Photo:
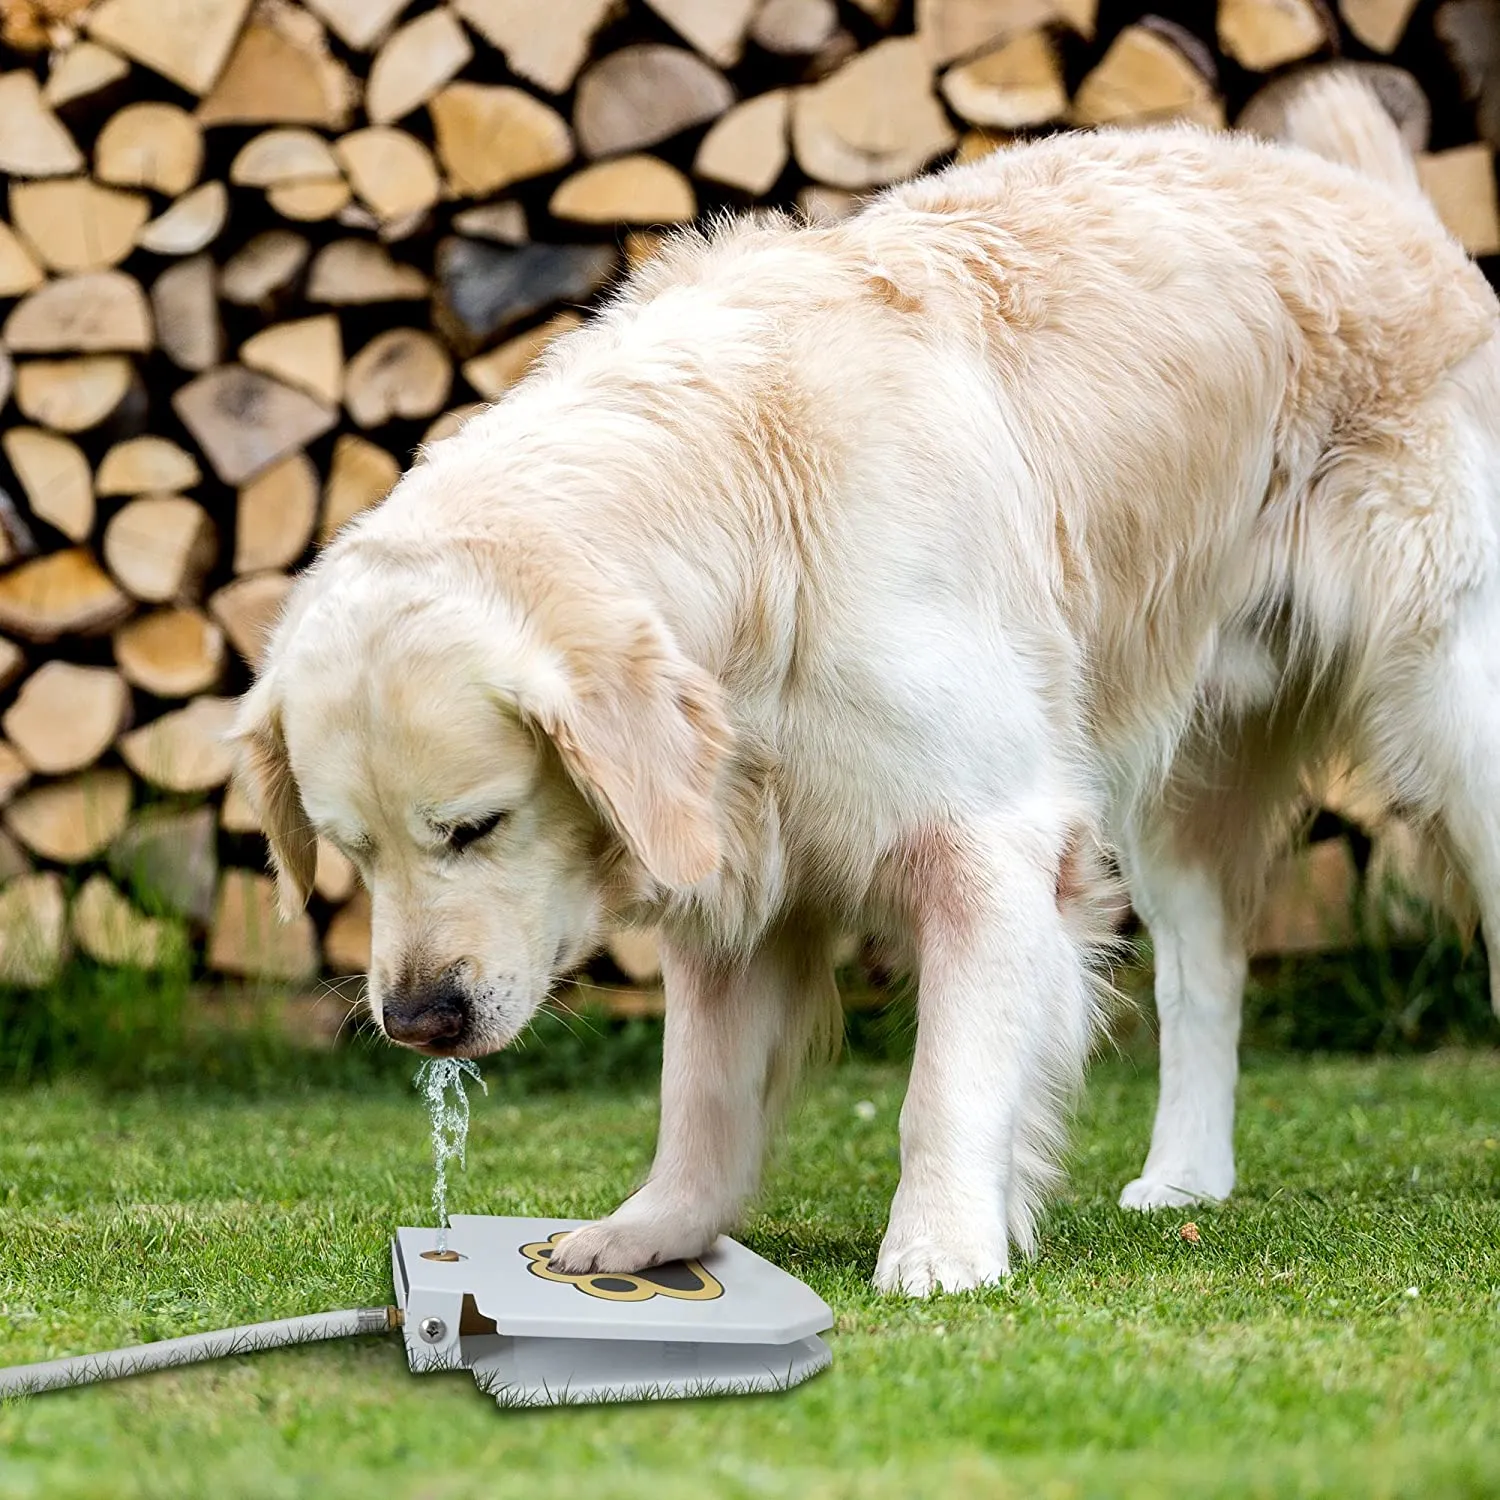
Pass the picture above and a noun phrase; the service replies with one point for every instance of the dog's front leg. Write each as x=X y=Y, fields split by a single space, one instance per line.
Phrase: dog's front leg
x=1004 y=1018
x=735 y=1034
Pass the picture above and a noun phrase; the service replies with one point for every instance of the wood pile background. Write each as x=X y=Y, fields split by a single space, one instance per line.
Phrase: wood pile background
x=254 y=251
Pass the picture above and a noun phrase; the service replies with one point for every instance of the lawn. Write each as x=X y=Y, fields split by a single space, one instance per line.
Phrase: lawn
x=1335 y=1331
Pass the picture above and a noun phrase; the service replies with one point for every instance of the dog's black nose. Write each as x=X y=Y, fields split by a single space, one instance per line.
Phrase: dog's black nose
x=431 y=1015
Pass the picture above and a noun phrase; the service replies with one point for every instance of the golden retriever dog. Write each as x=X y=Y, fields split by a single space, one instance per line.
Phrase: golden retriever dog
x=880 y=577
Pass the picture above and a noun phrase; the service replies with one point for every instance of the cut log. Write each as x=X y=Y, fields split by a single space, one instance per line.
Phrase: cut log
x=171 y=653
x=484 y=290
x=414 y=63
x=192 y=222
x=190 y=48
x=186 y=750
x=873 y=121
x=73 y=395
x=160 y=547
x=716 y=28
x=170 y=860
x=636 y=952
x=112 y=932
x=747 y=148
x=1264 y=34
x=7 y=375
x=1015 y=86
x=248 y=609
x=310 y=202
x=16 y=537
x=1470 y=33
x=76 y=225
x=1147 y=76
x=643 y=94
x=346 y=944
x=19 y=272
x=628 y=189
x=289 y=153
x=953 y=30
x=449 y=422
x=349 y=273
x=146 y=465
x=265 y=270
x=152 y=145
x=358 y=23
x=1379 y=24
x=545 y=45
x=33 y=930
x=55 y=476
x=236 y=815
x=65 y=593
x=403 y=372
x=65 y=717
x=282 y=73
x=12 y=662
x=33 y=141
x=14 y=772
x=307 y=354
x=89 y=313
x=336 y=877
x=831 y=56
x=642 y=246
x=71 y=821
x=245 y=421
x=1461 y=184
x=795 y=28
x=275 y=515
x=494 y=373
x=489 y=137
x=187 y=314
x=504 y=222
x=84 y=69
x=248 y=937
x=392 y=173
x=359 y=476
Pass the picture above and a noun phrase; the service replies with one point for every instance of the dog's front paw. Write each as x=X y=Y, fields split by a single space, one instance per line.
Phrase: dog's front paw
x=922 y=1267
x=624 y=1245
x=1170 y=1190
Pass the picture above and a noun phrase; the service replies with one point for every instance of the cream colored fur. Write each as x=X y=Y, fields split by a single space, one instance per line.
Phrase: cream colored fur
x=881 y=575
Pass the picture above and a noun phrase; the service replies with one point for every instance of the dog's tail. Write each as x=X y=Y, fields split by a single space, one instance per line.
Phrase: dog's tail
x=1345 y=115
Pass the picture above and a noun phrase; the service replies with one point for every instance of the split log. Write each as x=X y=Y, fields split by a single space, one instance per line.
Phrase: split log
x=185 y=750
x=545 y=45
x=12 y=662
x=1264 y=34
x=403 y=372
x=795 y=28
x=171 y=653
x=170 y=859
x=186 y=314
x=503 y=222
x=747 y=147
x=35 y=25
x=391 y=172
x=7 y=375
x=415 y=62
x=282 y=73
x=112 y=932
x=1470 y=33
x=249 y=938
x=1461 y=184
x=831 y=56
x=335 y=877
x=1150 y=73
x=76 y=225
x=265 y=270
x=952 y=30
x=494 y=373
x=64 y=593
x=1379 y=24
x=190 y=48
x=146 y=465
x=873 y=121
x=310 y=202
x=151 y=145
x=160 y=547
x=346 y=944
x=245 y=421
x=289 y=153
x=33 y=141
x=247 y=610
x=71 y=821
x=83 y=69
x=275 y=514
x=55 y=476
x=73 y=395
x=644 y=94
x=1017 y=85
x=307 y=354
x=358 y=23
x=449 y=422
x=65 y=717
x=33 y=930
x=236 y=815
x=14 y=772
x=19 y=272
x=360 y=476
x=490 y=136
x=716 y=28
x=16 y=538
x=353 y=272
x=192 y=222
x=89 y=313
x=627 y=189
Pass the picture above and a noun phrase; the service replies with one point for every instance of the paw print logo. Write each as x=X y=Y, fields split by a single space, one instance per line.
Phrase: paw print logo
x=685 y=1280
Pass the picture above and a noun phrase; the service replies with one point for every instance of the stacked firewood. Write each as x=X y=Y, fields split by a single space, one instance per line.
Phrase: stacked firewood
x=254 y=251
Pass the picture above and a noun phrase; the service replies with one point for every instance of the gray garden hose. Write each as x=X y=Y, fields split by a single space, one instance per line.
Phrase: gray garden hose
x=83 y=1369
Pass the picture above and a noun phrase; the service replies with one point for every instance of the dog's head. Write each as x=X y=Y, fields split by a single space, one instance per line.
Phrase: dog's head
x=503 y=743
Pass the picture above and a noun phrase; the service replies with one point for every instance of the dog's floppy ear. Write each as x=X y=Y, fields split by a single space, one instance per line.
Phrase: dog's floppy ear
x=265 y=772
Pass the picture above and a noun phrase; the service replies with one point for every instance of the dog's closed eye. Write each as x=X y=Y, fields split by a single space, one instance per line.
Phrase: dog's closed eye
x=460 y=836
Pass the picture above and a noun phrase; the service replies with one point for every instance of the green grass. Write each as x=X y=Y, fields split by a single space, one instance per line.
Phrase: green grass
x=1335 y=1331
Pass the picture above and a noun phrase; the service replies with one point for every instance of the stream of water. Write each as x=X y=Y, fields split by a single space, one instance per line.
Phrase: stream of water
x=435 y=1080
